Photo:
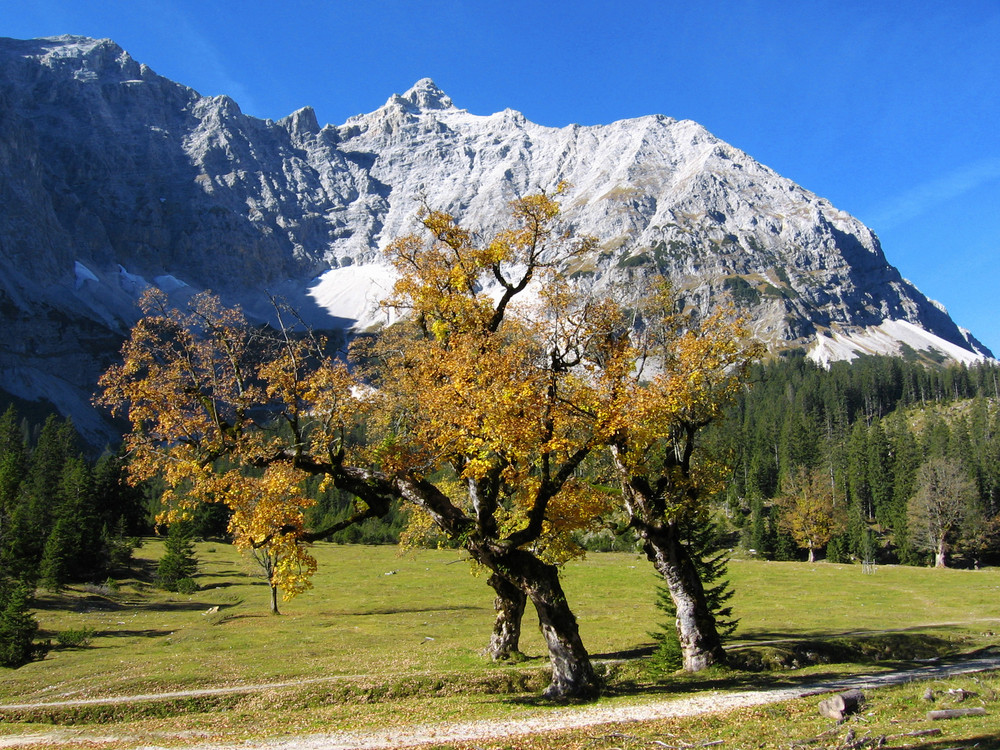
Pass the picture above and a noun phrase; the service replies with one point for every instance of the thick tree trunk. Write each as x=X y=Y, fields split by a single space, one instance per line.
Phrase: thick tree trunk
x=941 y=555
x=701 y=645
x=700 y=642
x=274 y=600
x=812 y=554
x=509 y=606
x=572 y=673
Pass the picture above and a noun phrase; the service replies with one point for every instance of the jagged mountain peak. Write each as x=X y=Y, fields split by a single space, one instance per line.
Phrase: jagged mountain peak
x=425 y=94
x=95 y=55
x=114 y=178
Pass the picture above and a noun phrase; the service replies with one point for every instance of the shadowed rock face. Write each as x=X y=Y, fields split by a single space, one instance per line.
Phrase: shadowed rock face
x=112 y=177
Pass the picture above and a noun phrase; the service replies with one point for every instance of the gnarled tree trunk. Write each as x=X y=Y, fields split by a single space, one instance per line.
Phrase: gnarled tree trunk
x=509 y=606
x=700 y=642
x=701 y=645
x=572 y=673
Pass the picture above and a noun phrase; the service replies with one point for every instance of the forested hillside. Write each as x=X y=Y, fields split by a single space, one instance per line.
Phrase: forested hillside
x=880 y=460
x=63 y=518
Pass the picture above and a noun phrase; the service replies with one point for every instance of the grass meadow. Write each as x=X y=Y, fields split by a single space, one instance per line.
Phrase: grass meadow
x=390 y=639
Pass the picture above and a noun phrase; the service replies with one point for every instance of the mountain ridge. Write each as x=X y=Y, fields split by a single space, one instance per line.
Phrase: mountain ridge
x=115 y=177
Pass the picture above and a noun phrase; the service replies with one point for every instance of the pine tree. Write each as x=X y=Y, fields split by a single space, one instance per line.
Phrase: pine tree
x=17 y=626
x=178 y=562
x=56 y=564
x=39 y=499
x=73 y=548
x=115 y=499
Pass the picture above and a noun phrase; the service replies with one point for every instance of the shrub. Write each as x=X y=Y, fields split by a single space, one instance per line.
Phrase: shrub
x=78 y=638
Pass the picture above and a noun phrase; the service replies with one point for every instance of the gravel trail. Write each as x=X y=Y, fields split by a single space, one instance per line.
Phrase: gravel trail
x=535 y=722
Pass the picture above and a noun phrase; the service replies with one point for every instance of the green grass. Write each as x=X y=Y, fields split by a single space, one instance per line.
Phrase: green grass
x=389 y=639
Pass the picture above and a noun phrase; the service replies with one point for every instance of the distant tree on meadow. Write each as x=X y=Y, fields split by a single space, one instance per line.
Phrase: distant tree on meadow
x=945 y=502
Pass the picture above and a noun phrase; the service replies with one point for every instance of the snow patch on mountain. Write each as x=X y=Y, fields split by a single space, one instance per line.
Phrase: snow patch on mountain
x=354 y=292
x=888 y=338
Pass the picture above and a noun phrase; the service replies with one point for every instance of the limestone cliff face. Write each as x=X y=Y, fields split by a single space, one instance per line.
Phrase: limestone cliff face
x=112 y=178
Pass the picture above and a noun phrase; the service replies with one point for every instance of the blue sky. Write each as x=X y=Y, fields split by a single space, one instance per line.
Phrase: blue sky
x=889 y=109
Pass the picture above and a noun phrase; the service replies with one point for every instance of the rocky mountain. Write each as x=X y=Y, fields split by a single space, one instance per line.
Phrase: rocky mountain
x=113 y=178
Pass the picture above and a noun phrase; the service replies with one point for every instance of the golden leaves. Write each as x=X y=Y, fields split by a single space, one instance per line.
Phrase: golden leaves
x=498 y=402
x=194 y=384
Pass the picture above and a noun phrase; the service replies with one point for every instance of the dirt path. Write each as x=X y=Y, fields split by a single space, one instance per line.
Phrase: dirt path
x=535 y=722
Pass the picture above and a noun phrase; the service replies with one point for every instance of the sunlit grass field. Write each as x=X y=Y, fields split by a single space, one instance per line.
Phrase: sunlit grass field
x=393 y=638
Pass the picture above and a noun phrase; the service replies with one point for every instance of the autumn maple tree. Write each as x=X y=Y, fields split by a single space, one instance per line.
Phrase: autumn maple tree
x=227 y=412
x=478 y=384
x=464 y=389
x=481 y=408
x=660 y=377
x=942 y=507
x=807 y=510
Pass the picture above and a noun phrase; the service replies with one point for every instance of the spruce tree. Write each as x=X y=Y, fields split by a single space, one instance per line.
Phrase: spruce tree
x=17 y=626
x=178 y=562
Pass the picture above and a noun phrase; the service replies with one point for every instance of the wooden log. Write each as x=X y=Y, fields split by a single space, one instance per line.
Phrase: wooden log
x=955 y=713
x=843 y=704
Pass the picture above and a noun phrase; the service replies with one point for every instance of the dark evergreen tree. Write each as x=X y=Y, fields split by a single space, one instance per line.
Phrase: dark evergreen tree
x=761 y=532
x=178 y=562
x=35 y=515
x=17 y=626
x=115 y=499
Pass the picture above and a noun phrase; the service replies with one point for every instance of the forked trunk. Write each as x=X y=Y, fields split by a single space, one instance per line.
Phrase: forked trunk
x=700 y=643
x=572 y=673
x=509 y=606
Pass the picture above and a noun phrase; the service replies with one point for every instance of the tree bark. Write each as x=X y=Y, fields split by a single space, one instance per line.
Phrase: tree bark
x=700 y=642
x=572 y=673
x=941 y=554
x=509 y=605
x=274 y=600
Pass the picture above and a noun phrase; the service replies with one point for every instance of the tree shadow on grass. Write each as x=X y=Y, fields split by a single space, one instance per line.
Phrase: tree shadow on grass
x=627 y=654
x=229 y=584
x=192 y=606
x=765 y=636
x=147 y=633
x=407 y=610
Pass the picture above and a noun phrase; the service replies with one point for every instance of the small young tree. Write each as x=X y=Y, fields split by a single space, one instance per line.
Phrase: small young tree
x=57 y=563
x=178 y=562
x=944 y=502
x=118 y=546
x=17 y=626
